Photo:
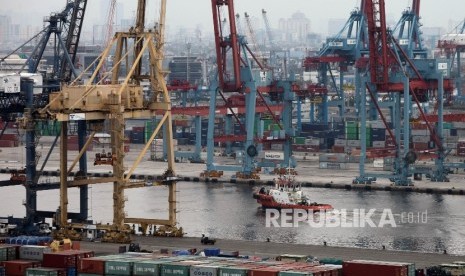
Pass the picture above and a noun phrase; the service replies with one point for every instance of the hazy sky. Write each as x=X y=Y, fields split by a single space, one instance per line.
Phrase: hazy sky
x=190 y=13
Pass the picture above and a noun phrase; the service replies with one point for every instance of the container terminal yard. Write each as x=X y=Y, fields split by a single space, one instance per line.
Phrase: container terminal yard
x=345 y=159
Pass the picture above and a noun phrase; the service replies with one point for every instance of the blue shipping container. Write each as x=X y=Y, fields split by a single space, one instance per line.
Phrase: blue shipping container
x=211 y=251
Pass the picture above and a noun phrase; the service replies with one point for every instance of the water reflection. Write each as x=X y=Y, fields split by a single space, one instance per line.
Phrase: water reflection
x=229 y=211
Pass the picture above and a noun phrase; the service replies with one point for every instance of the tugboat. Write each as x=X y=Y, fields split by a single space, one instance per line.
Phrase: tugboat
x=287 y=194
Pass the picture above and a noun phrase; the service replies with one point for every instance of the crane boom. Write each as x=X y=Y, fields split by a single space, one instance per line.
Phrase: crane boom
x=253 y=39
x=225 y=44
x=376 y=18
x=110 y=19
x=73 y=25
x=268 y=29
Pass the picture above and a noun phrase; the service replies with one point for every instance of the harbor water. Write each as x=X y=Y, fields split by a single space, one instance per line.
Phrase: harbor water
x=421 y=222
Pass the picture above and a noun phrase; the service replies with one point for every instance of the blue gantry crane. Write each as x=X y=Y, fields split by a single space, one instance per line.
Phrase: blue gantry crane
x=339 y=51
x=389 y=70
x=243 y=77
x=64 y=30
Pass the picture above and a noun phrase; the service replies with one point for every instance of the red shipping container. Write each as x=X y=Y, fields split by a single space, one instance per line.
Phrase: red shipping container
x=18 y=267
x=8 y=144
x=92 y=266
x=461 y=145
x=266 y=271
x=418 y=126
x=11 y=125
x=9 y=137
x=369 y=269
x=338 y=149
x=181 y=123
x=61 y=259
x=420 y=146
x=138 y=129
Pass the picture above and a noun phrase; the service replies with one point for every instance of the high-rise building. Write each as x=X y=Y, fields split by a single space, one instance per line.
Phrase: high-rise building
x=335 y=25
x=296 y=28
x=5 y=24
x=185 y=69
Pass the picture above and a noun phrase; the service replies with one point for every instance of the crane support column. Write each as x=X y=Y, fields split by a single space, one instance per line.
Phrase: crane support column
x=406 y=125
x=363 y=127
x=210 y=131
x=440 y=175
x=459 y=76
x=117 y=131
x=396 y=124
x=64 y=175
x=84 y=190
x=250 y=102
x=287 y=124
x=31 y=194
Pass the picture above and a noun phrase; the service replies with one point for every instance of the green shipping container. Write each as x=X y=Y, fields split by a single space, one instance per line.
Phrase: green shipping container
x=231 y=271
x=447 y=125
x=11 y=253
x=351 y=136
x=332 y=261
x=266 y=124
x=148 y=130
x=174 y=270
x=149 y=267
x=40 y=271
x=352 y=124
x=299 y=140
x=274 y=127
x=119 y=267
x=3 y=254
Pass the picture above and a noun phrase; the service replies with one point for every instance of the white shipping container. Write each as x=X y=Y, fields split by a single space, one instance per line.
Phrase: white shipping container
x=378 y=163
x=333 y=166
x=459 y=125
x=445 y=133
x=421 y=139
x=276 y=146
x=419 y=132
x=376 y=124
x=353 y=143
x=340 y=142
x=451 y=139
x=379 y=144
x=204 y=270
x=312 y=142
x=33 y=252
x=451 y=145
x=461 y=132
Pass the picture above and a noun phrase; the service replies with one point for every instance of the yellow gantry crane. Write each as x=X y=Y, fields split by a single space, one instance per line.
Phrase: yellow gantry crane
x=140 y=50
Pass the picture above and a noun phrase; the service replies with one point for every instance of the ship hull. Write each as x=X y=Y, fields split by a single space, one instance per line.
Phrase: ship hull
x=268 y=202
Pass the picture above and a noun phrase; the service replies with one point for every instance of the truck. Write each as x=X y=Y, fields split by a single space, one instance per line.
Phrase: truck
x=10 y=226
x=6 y=228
